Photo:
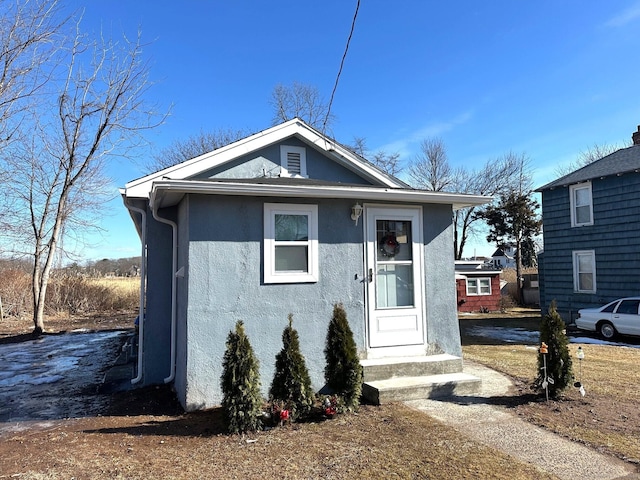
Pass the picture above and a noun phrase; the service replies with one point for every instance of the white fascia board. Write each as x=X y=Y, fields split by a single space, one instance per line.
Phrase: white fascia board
x=141 y=187
x=167 y=193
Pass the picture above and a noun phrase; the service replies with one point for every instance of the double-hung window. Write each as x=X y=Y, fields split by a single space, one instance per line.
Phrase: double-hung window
x=581 y=205
x=290 y=243
x=478 y=286
x=584 y=271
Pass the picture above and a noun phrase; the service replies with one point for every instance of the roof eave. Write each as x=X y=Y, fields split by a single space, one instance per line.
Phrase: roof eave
x=166 y=193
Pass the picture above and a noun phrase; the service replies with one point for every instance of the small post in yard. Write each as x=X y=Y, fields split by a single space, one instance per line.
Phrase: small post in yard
x=545 y=383
x=580 y=356
x=1 y=311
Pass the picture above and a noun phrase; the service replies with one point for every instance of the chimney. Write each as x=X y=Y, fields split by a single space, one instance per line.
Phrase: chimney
x=636 y=137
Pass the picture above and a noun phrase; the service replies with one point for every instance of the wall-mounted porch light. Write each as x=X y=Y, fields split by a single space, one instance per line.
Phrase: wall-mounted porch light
x=356 y=211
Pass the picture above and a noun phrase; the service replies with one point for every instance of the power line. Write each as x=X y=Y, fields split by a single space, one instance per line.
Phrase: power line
x=344 y=56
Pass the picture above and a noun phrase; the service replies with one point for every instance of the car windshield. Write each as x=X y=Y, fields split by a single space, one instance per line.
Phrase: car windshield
x=628 y=307
x=611 y=307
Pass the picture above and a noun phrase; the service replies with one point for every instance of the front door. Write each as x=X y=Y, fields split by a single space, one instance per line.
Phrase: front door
x=394 y=268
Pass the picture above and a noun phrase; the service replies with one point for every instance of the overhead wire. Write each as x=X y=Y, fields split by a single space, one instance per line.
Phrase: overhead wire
x=344 y=56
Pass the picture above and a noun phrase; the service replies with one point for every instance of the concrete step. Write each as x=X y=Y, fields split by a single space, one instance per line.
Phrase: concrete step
x=391 y=367
x=399 y=389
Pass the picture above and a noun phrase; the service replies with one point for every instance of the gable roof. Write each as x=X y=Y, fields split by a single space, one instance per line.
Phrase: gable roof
x=167 y=187
x=619 y=162
x=141 y=187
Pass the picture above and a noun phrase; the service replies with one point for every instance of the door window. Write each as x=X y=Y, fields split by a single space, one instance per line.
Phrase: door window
x=394 y=264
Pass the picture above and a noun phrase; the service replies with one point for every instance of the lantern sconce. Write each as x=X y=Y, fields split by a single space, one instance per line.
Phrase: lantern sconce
x=356 y=211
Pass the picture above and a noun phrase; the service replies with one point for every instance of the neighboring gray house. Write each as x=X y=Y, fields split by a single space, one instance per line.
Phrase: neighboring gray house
x=289 y=221
x=591 y=224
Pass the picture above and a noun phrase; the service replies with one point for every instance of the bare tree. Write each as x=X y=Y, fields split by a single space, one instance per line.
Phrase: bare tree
x=194 y=146
x=301 y=101
x=431 y=169
x=385 y=161
x=585 y=157
x=29 y=31
x=493 y=178
x=60 y=167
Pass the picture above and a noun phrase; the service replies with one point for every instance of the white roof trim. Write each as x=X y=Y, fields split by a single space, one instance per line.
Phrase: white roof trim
x=166 y=193
x=141 y=187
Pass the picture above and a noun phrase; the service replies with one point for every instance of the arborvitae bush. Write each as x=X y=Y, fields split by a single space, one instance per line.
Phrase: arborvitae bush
x=343 y=372
x=552 y=332
x=291 y=383
x=240 y=381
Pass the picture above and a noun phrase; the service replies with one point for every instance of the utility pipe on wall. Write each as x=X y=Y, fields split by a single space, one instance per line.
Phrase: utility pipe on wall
x=174 y=268
x=143 y=273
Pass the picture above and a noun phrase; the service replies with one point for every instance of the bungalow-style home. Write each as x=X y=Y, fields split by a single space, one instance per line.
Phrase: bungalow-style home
x=591 y=223
x=477 y=286
x=290 y=221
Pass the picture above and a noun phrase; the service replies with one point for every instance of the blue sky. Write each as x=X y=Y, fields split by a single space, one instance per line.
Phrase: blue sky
x=546 y=79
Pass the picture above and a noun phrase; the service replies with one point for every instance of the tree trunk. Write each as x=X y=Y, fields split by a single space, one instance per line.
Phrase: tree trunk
x=519 y=289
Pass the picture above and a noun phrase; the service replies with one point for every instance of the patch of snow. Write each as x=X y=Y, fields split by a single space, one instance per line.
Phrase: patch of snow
x=531 y=337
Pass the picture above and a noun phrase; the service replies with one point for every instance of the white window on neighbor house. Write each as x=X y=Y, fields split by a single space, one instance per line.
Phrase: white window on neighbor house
x=293 y=161
x=478 y=286
x=584 y=271
x=290 y=243
x=581 y=205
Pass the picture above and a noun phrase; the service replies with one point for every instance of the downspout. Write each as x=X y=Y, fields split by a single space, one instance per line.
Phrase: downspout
x=143 y=273
x=174 y=268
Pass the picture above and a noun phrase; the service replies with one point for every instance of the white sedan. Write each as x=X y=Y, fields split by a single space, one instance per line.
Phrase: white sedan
x=620 y=316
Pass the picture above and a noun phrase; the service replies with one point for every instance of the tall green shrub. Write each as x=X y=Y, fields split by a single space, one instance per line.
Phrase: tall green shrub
x=240 y=382
x=291 y=382
x=343 y=372
x=558 y=358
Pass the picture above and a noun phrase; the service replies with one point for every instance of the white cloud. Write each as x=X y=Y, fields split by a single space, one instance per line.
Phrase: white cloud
x=626 y=16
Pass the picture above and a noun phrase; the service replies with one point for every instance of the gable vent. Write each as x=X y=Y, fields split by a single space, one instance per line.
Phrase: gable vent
x=294 y=163
x=293 y=160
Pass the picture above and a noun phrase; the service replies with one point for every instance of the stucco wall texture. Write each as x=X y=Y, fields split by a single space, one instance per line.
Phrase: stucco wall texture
x=220 y=251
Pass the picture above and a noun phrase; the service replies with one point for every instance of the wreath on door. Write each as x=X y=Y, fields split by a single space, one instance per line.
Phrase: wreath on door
x=389 y=246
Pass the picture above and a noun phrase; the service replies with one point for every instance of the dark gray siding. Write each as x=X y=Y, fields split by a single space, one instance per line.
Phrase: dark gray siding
x=614 y=237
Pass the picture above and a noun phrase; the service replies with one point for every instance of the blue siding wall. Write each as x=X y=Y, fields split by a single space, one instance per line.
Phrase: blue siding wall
x=614 y=236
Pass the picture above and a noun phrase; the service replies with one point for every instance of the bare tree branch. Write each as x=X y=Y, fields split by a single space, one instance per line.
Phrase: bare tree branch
x=29 y=34
x=61 y=182
x=192 y=147
x=301 y=101
x=431 y=170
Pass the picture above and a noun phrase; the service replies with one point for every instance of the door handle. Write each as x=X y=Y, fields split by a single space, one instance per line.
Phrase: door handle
x=370 y=275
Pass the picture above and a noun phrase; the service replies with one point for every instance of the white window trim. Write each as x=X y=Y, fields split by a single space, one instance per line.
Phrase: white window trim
x=270 y=274
x=576 y=272
x=572 y=201
x=476 y=280
x=284 y=166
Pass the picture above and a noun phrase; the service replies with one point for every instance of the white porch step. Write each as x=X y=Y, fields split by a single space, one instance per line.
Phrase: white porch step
x=391 y=367
x=414 y=388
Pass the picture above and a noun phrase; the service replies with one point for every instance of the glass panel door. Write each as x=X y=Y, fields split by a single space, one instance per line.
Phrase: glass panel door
x=394 y=266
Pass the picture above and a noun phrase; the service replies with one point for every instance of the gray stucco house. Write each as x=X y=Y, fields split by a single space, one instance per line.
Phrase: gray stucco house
x=591 y=225
x=289 y=221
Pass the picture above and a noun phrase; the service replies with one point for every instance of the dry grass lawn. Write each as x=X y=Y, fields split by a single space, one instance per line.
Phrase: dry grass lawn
x=606 y=418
